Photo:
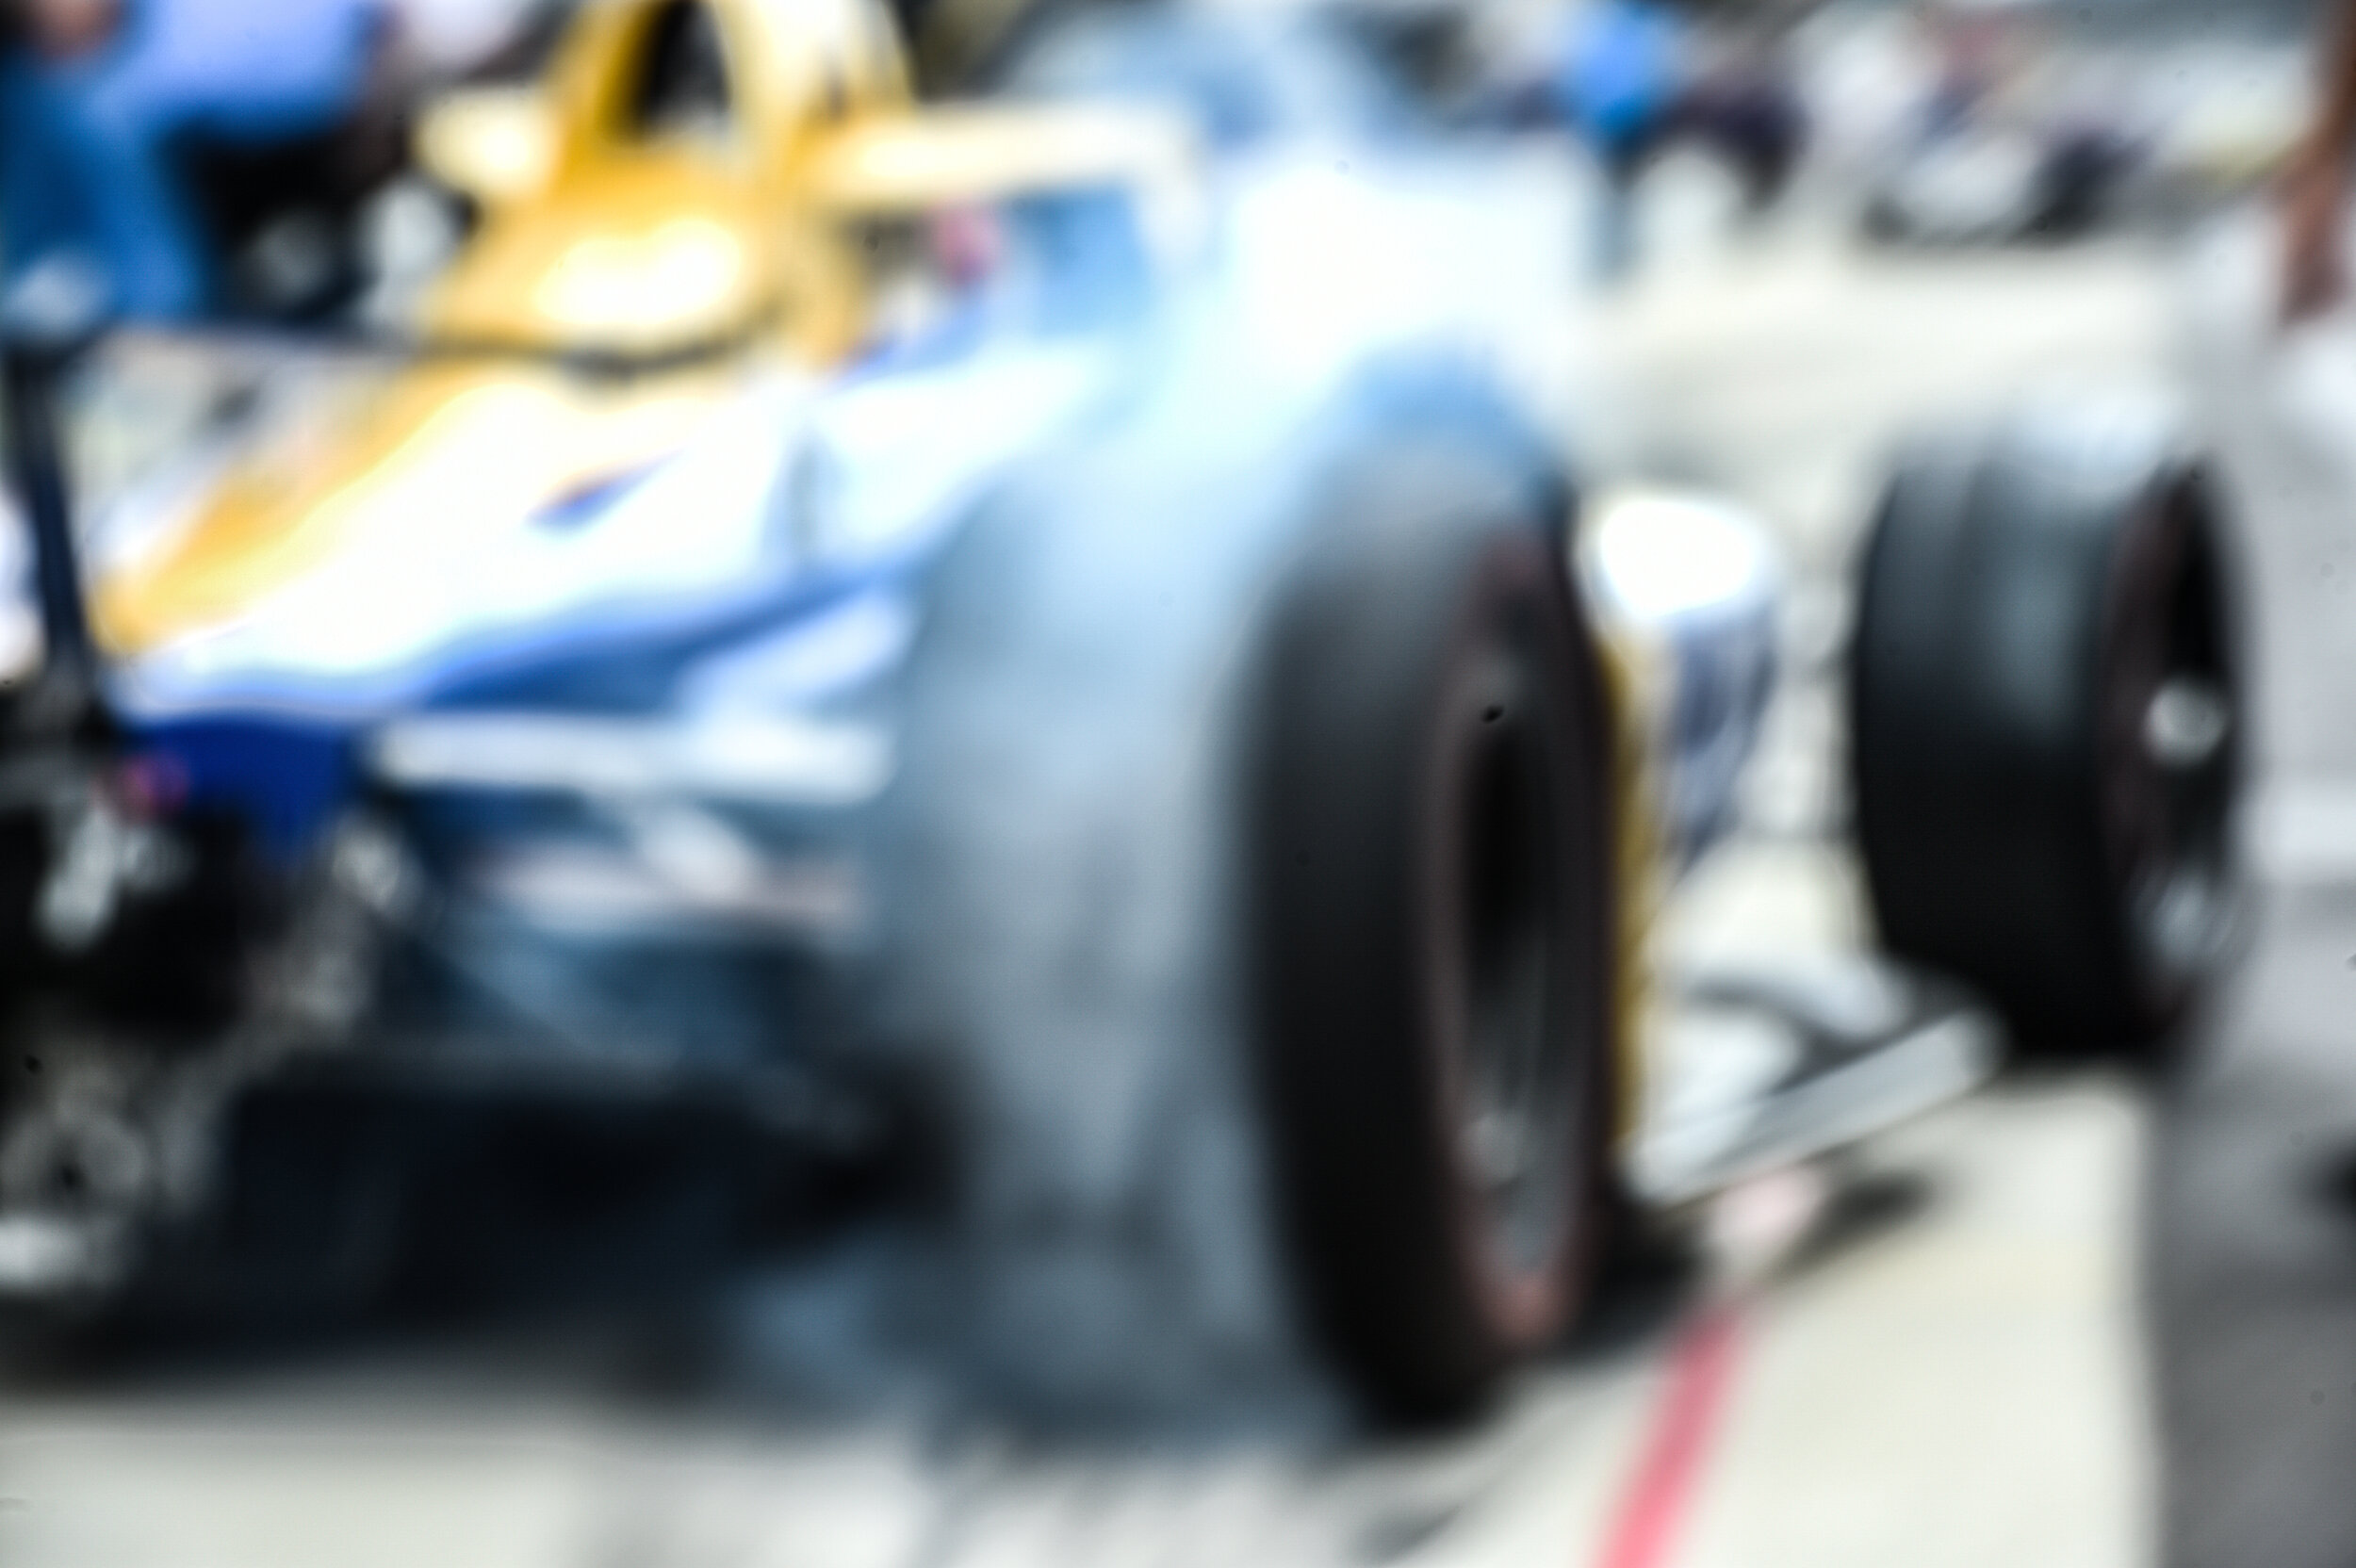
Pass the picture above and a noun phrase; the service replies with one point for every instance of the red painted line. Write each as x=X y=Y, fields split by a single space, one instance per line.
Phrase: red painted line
x=1661 y=1493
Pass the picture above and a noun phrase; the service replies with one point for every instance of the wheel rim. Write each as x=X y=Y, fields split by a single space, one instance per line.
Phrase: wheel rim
x=1515 y=1109
x=2170 y=734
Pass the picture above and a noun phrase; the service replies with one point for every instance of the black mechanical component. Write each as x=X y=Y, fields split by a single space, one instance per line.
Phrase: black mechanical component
x=205 y=1111
x=2045 y=723
x=46 y=323
x=100 y=896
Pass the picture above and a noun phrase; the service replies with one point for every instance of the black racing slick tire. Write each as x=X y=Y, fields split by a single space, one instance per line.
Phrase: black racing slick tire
x=1433 y=933
x=1247 y=892
x=2045 y=737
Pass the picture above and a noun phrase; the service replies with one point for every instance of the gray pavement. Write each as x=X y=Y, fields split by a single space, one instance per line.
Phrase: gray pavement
x=2252 y=1258
x=2252 y=1203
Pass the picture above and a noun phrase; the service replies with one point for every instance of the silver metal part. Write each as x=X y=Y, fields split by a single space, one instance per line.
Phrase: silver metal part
x=768 y=759
x=103 y=854
x=2188 y=720
x=46 y=1256
x=1760 y=1072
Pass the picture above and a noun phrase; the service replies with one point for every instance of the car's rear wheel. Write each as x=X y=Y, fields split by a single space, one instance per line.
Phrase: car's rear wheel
x=2045 y=723
x=1251 y=895
x=1433 y=933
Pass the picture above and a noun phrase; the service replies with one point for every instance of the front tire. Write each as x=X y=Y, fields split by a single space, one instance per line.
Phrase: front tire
x=2044 y=705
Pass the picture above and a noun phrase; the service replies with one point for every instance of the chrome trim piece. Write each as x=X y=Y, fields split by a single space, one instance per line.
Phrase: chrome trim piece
x=770 y=759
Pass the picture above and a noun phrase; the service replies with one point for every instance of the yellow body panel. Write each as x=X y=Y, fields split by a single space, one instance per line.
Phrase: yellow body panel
x=376 y=457
x=737 y=237
x=1640 y=887
x=638 y=242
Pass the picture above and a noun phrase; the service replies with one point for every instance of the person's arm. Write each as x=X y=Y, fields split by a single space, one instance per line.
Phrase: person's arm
x=2316 y=192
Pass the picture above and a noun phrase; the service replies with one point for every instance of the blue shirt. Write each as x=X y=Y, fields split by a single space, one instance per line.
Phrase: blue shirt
x=1620 y=72
x=82 y=167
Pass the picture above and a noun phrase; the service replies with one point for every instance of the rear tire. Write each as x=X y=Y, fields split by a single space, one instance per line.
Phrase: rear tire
x=2044 y=723
x=1179 y=905
x=1433 y=933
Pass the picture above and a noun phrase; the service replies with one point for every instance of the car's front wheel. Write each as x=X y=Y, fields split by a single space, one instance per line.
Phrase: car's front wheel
x=2046 y=721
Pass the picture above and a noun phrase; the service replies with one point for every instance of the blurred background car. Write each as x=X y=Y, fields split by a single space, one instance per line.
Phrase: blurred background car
x=2003 y=140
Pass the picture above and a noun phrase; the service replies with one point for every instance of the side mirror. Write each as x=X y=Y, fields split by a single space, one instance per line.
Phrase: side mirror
x=497 y=145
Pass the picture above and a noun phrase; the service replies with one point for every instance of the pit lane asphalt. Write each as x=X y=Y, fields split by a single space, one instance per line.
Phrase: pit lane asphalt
x=2250 y=1273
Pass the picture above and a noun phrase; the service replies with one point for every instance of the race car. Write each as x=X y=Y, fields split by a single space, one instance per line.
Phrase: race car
x=1994 y=184
x=987 y=665
x=1992 y=127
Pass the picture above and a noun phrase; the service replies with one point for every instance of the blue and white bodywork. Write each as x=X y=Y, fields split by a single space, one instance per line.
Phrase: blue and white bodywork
x=589 y=791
